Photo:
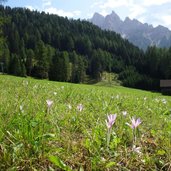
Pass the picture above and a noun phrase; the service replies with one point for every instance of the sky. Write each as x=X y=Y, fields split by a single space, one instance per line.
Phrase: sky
x=155 y=12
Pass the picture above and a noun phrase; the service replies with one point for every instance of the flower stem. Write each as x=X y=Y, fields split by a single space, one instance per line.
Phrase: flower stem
x=108 y=136
x=134 y=137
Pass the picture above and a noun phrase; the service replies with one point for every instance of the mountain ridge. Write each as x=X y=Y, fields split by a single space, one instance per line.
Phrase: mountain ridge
x=138 y=33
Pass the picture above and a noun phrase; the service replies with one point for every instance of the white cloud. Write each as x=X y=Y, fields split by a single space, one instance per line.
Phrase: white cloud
x=166 y=20
x=60 y=12
x=104 y=12
x=136 y=11
x=46 y=3
x=49 y=8
x=76 y=12
x=142 y=19
x=30 y=7
x=115 y=3
x=154 y=2
x=96 y=4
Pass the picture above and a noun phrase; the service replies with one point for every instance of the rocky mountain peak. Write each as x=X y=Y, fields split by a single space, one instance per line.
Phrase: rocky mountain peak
x=141 y=35
x=112 y=22
x=96 y=15
x=98 y=19
x=114 y=17
x=127 y=19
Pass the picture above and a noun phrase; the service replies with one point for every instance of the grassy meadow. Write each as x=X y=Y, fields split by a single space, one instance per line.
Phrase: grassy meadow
x=60 y=126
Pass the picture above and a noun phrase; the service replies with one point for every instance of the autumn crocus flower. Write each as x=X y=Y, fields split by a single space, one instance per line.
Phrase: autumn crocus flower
x=109 y=123
x=111 y=120
x=136 y=149
x=164 y=101
x=49 y=103
x=134 y=123
x=21 y=109
x=69 y=106
x=124 y=113
x=80 y=107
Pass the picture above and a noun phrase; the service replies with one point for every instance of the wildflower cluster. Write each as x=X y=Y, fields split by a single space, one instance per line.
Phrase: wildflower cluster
x=134 y=124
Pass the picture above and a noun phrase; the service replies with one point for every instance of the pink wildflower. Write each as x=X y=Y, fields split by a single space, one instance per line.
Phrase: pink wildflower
x=69 y=106
x=134 y=123
x=124 y=113
x=136 y=149
x=111 y=120
x=49 y=103
x=80 y=107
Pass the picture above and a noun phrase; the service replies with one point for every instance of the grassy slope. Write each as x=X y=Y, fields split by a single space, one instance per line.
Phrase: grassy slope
x=29 y=134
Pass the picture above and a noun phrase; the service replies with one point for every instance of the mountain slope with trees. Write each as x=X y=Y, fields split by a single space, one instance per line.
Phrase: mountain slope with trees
x=61 y=49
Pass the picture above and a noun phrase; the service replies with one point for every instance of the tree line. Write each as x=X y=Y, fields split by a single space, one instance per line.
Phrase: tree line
x=47 y=46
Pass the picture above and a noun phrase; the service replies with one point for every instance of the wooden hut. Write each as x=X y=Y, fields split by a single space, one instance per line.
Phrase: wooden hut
x=165 y=86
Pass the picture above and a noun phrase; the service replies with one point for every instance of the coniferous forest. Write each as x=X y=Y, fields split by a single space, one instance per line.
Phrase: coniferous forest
x=56 y=48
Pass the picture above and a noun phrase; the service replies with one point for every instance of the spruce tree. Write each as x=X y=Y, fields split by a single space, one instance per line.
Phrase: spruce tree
x=29 y=61
x=5 y=58
x=15 y=65
x=60 y=67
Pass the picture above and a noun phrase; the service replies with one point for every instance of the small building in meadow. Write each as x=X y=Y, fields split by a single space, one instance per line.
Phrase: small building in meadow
x=165 y=86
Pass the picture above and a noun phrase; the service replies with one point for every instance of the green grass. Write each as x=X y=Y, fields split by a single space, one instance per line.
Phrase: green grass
x=33 y=137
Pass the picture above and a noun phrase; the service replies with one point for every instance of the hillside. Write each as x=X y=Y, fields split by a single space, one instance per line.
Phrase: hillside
x=141 y=35
x=47 y=125
x=33 y=39
x=50 y=47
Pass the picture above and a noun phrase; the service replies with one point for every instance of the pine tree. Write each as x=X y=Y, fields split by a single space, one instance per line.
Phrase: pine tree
x=40 y=69
x=14 y=40
x=96 y=66
x=15 y=66
x=22 y=51
x=5 y=58
x=29 y=61
x=78 y=68
x=60 y=67
x=65 y=66
x=1 y=36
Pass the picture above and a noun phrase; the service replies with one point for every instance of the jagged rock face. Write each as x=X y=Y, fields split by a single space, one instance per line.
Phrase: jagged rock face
x=141 y=35
x=98 y=19
x=109 y=20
